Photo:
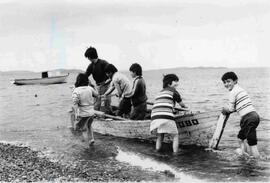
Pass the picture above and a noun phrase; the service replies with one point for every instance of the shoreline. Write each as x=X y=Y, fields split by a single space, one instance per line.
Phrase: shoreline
x=21 y=163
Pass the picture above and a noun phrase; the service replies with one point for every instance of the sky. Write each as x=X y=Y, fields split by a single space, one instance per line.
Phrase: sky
x=38 y=35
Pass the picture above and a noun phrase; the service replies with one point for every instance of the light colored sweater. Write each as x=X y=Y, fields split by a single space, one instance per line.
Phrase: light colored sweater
x=239 y=101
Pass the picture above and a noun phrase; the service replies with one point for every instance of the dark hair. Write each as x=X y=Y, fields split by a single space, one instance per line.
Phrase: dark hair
x=229 y=75
x=168 y=79
x=136 y=68
x=81 y=80
x=110 y=68
x=91 y=53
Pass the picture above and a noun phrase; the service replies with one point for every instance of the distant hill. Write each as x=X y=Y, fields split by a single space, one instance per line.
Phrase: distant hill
x=177 y=68
x=16 y=72
x=63 y=71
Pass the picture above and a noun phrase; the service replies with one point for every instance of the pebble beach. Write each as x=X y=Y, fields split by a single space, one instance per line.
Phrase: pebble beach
x=20 y=163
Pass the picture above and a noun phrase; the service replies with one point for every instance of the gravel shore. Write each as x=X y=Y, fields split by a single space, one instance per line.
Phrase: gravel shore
x=19 y=163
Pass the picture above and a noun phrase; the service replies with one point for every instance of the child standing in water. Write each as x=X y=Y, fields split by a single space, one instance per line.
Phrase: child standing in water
x=162 y=115
x=240 y=102
x=83 y=101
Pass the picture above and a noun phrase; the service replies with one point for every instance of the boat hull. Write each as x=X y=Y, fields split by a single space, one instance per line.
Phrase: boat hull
x=194 y=129
x=44 y=81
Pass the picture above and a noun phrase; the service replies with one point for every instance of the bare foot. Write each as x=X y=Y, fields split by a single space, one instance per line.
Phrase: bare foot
x=91 y=143
x=240 y=152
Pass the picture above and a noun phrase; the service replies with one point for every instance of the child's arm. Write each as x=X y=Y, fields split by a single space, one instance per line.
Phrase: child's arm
x=230 y=108
x=135 y=90
x=94 y=92
x=107 y=81
x=117 y=86
x=183 y=105
x=109 y=91
x=76 y=100
x=178 y=99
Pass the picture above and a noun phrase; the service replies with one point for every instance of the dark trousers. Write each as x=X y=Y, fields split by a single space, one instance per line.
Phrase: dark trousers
x=103 y=105
x=138 y=112
x=124 y=107
x=248 y=125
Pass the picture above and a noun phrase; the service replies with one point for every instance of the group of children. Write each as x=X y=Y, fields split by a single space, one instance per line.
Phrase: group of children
x=133 y=102
x=132 y=97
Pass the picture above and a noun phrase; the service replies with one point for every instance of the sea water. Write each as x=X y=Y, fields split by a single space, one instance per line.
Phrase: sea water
x=37 y=115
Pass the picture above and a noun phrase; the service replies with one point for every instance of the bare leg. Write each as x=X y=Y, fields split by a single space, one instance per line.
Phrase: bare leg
x=90 y=133
x=72 y=118
x=254 y=151
x=247 y=148
x=160 y=137
x=175 y=143
x=243 y=147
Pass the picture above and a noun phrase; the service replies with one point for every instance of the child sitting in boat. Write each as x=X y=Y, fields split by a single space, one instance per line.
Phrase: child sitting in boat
x=162 y=115
x=83 y=101
x=122 y=85
x=138 y=93
x=240 y=102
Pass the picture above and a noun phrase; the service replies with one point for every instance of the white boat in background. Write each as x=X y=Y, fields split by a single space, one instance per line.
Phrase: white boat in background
x=45 y=80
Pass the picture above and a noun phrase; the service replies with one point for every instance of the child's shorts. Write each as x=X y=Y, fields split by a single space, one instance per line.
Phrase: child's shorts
x=248 y=124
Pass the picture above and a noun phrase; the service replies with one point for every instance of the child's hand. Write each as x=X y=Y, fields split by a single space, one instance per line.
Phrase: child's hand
x=225 y=111
x=186 y=108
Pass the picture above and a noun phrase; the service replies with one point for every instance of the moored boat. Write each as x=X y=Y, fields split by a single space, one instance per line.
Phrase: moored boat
x=45 y=80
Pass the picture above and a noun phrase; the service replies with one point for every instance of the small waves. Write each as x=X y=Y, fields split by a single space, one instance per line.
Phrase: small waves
x=148 y=163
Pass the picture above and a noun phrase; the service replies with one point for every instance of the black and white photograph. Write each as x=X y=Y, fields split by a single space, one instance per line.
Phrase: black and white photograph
x=134 y=91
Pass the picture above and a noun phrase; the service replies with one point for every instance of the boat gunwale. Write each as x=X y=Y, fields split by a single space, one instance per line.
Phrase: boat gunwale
x=176 y=117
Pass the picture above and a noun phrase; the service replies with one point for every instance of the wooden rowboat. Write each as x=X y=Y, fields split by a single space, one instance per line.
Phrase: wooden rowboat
x=43 y=81
x=201 y=129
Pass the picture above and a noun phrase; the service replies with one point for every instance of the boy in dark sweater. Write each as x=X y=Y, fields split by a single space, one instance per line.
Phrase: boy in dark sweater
x=138 y=93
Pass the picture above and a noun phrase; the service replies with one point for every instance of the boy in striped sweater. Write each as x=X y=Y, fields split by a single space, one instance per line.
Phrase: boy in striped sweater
x=240 y=102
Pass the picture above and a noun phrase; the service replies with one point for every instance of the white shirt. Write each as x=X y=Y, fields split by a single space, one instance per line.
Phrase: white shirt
x=83 y=97
x=239 y=101
x=123 y=81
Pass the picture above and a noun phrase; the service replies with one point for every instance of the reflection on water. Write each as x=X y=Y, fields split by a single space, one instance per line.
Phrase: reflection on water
x=149 y=163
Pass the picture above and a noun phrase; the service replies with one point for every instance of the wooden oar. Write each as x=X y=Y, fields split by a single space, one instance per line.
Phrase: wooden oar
x=99 y=113
x=176 y=108
x=221 y=123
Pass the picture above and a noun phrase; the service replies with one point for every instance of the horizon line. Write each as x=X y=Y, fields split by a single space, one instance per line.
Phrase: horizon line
x=195 y=67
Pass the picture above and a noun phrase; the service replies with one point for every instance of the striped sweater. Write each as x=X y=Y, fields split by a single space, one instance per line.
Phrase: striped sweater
x=239 y=101
x=163 y=106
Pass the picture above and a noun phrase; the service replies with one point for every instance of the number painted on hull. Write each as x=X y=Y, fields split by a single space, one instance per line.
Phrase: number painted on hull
x=182 y=124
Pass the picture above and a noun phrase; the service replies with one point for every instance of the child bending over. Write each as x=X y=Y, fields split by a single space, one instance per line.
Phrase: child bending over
x=240 y=102
x=162 y=115
x=121 y=83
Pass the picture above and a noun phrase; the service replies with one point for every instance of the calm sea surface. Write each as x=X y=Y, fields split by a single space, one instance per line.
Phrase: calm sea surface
x=38 y=116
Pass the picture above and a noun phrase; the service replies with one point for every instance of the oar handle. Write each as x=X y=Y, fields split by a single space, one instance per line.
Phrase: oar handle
x=100 y=113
